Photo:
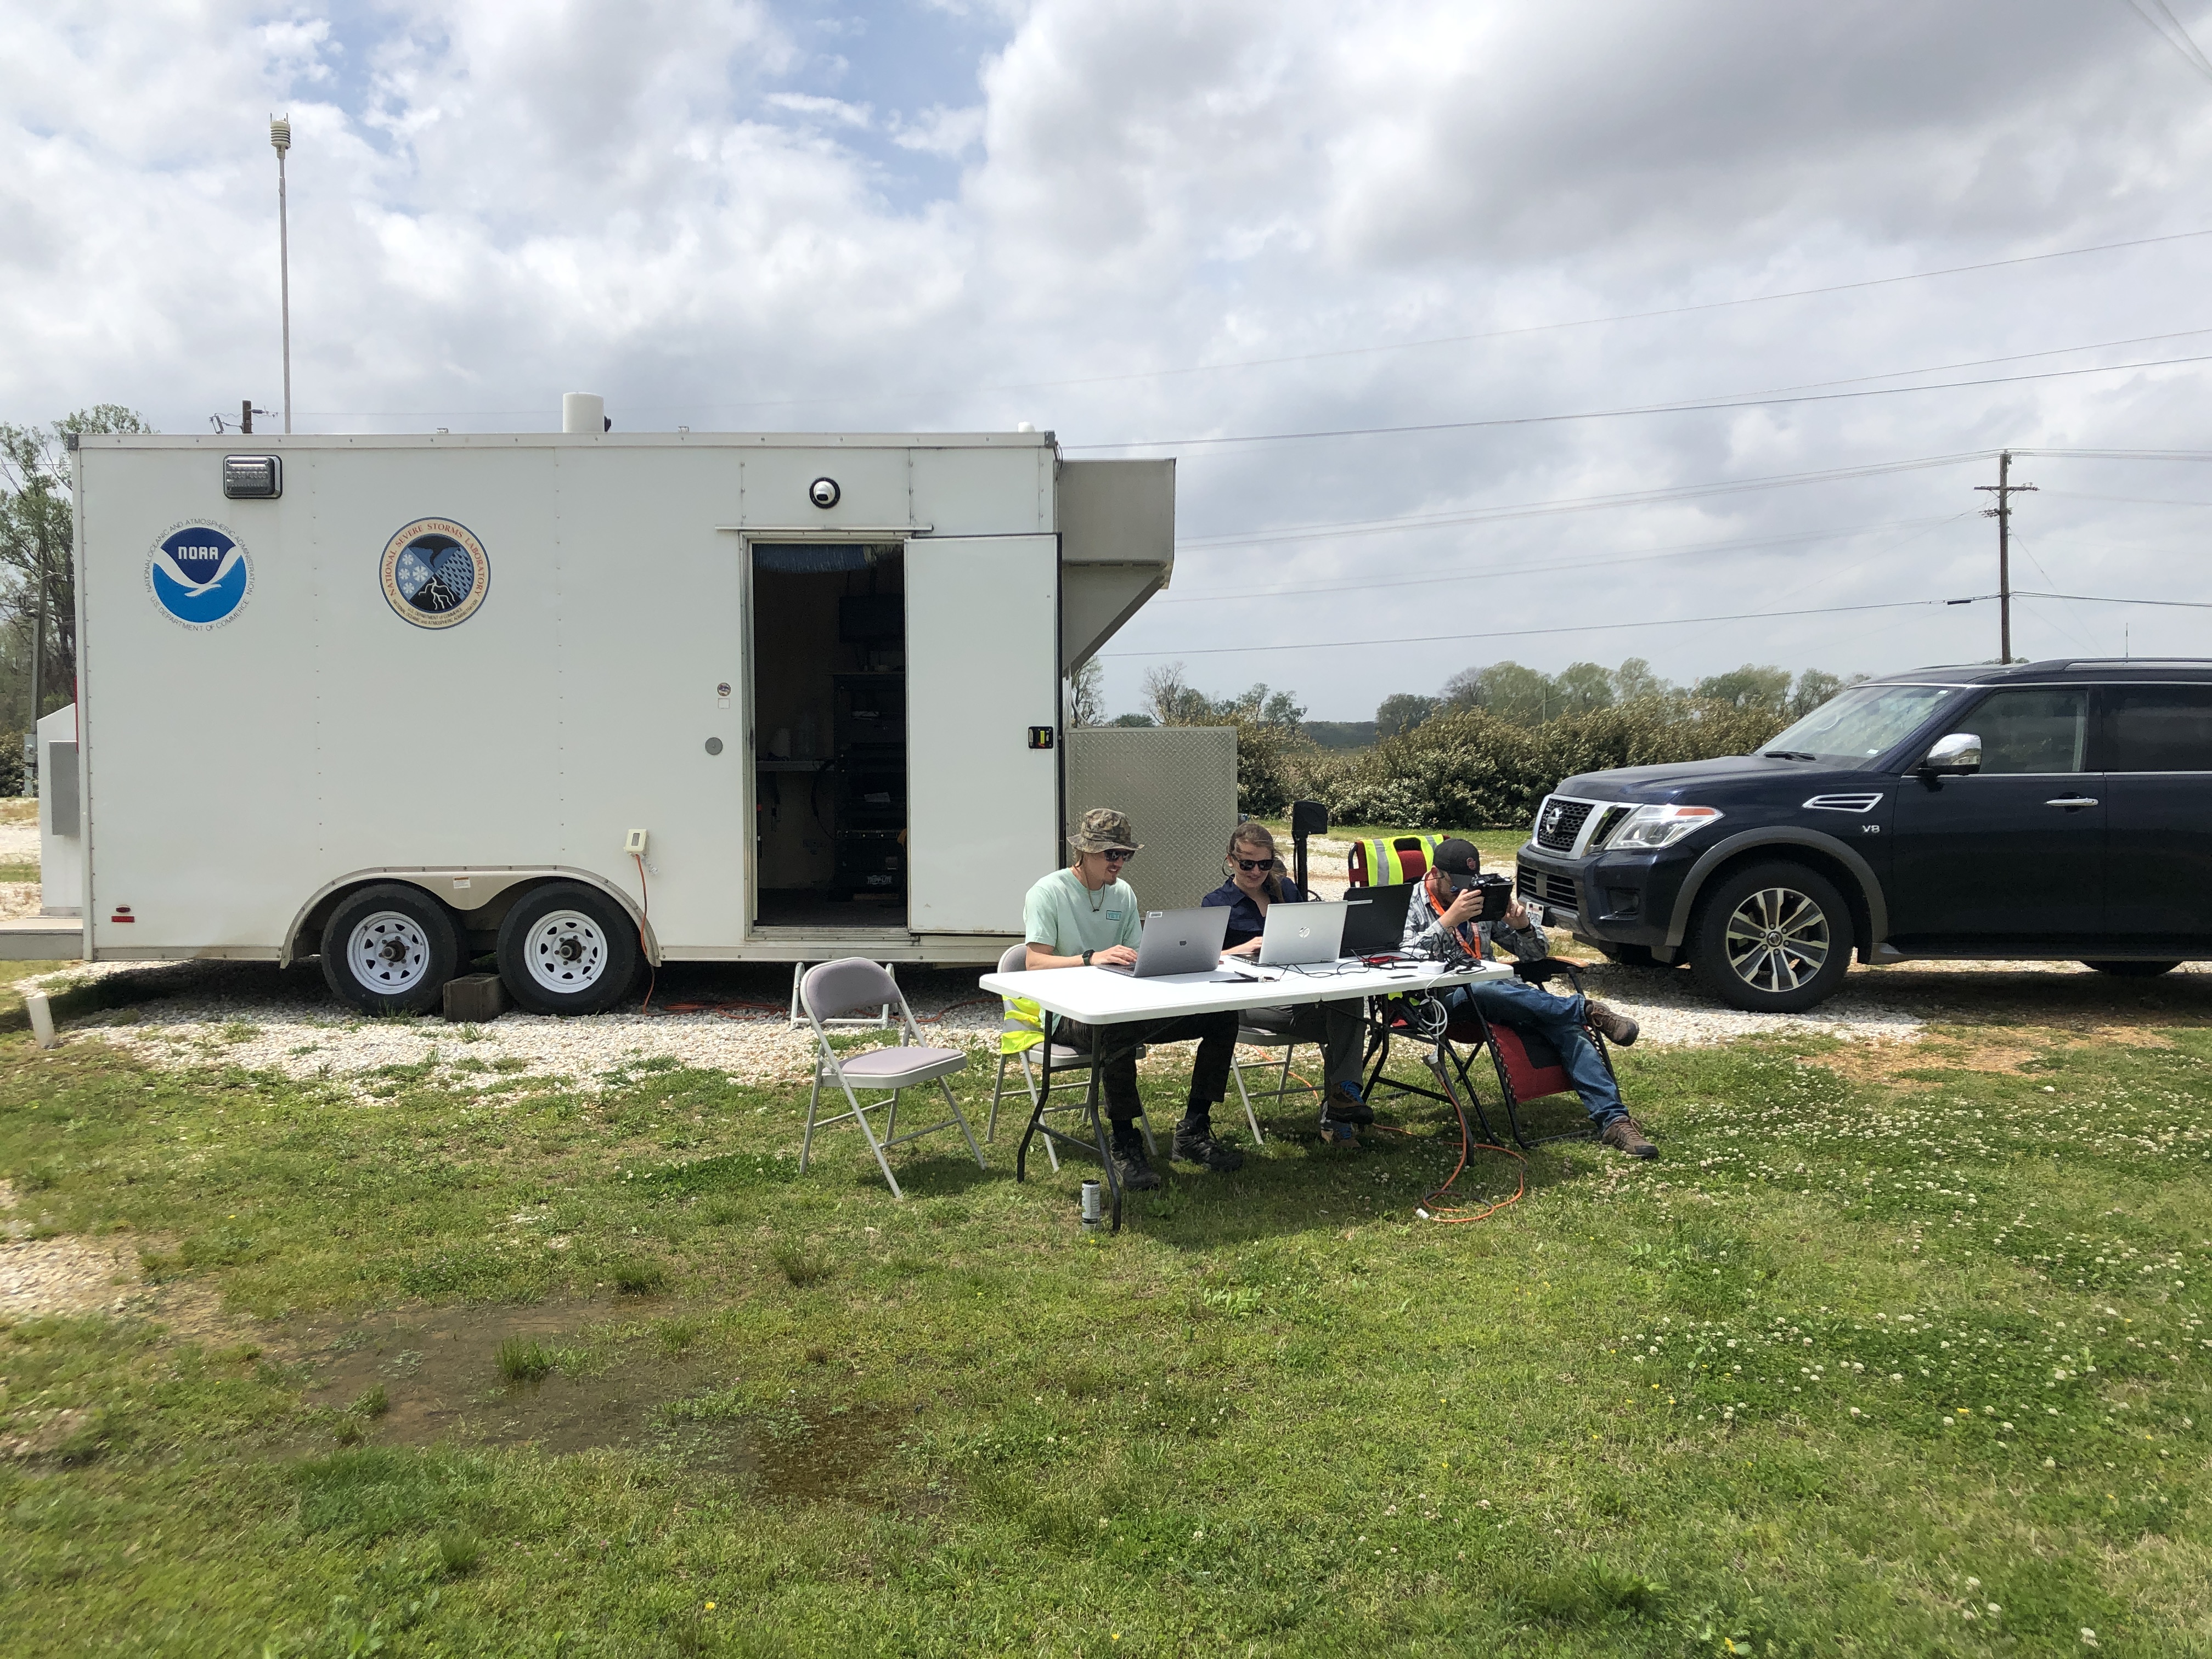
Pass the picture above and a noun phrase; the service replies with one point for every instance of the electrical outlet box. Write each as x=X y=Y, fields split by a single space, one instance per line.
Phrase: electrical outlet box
x=635 y=843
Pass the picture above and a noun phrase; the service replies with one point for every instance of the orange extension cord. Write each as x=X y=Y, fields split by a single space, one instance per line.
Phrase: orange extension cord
x=1432 y=1208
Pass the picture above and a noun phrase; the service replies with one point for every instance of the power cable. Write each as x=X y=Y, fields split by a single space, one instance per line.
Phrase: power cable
x=1352 y=351
x=1736 y=402
x=2032 y=594
x=1580 y=503
x=2182 y=46
x=1583 y=628
x=1551 y=566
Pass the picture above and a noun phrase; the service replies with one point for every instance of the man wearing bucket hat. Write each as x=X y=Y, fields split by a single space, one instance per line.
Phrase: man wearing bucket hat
x=1085 y=915
x=1445 y=921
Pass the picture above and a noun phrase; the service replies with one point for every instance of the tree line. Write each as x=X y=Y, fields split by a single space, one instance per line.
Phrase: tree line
x=1486 y=749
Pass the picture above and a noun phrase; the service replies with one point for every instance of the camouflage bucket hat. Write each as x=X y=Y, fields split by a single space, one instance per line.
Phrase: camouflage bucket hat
x=1101 y=828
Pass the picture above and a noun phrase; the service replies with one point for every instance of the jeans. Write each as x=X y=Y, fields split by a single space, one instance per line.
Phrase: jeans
x=1337 y=1027
x=1558 y=1020
x=1116 y=1047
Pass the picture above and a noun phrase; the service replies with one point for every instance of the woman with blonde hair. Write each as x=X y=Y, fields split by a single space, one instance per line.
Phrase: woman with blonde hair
x=1257 y=880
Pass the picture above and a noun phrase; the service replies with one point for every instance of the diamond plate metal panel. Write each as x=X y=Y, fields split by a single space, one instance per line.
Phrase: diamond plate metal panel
x=1178 y=785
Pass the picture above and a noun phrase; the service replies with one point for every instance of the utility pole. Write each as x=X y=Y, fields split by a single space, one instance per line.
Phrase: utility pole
x=280 y=136
x=2004 y=490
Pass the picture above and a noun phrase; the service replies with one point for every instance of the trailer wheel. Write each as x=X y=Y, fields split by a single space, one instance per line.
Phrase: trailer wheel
x=568 y=949
x=390 y=949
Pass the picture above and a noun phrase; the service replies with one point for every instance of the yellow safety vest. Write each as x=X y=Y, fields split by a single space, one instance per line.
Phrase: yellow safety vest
x=1386 y=861
x=1023 y=1027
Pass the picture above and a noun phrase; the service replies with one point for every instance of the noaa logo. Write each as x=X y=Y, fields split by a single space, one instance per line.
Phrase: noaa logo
x=199 y=574
x=436 y=573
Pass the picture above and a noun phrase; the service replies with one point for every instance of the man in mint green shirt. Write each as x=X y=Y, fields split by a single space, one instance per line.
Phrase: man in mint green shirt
x=1086 y=915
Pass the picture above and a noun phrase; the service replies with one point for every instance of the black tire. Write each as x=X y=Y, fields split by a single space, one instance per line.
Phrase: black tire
x=2133 y=970
x=568 y=949
x=390 y=949
x=1771 y=938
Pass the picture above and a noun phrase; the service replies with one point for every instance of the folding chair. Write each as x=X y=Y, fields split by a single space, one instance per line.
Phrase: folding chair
x=1021 y=1030
x=1251 y=1036
x=838 y=987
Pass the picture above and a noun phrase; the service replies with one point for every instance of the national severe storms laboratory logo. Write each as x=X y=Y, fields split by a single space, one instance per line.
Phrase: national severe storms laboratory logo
x=199 y=574
x=436 y=573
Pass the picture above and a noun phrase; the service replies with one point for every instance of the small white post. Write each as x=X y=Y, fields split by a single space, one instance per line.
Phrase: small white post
x=42 y=1019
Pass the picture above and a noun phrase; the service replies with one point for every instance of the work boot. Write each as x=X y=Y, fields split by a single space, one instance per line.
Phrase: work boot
x=1131 y=1167
x=1627 y=1134
x=1616 y=1027
x=1345 y=1103
x=1194 y=1144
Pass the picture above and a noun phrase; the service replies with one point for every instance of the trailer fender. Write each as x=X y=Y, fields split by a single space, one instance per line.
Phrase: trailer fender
x=462 y=889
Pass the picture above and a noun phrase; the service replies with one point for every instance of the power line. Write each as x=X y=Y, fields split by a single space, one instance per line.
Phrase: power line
x=2184 y=47
x=1752 y=402
x=1551 y=567
x=2106 y=599
x=1658 y=497
x=1348 y=351
x=1584 y=628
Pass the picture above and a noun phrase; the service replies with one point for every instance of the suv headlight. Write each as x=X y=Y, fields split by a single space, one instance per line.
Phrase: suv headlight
x=1651 y=827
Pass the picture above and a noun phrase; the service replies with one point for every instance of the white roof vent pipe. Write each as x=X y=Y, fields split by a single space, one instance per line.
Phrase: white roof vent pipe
x=581 y=411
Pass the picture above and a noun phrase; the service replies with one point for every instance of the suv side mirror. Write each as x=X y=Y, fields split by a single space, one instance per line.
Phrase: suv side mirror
x=1959 y=753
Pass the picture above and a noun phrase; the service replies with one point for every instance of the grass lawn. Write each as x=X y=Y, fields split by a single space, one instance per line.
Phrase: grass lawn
x=1897 y=1352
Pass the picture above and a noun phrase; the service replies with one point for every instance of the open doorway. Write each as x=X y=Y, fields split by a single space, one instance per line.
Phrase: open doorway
x=828 y=733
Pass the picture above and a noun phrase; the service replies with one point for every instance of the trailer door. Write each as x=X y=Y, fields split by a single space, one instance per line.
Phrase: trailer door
x=982 y=652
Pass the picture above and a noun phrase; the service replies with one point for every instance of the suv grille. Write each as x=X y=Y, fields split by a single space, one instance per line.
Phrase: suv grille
x=1558 y=821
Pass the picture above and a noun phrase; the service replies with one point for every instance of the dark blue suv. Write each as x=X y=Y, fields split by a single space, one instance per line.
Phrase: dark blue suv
x=2039 y=810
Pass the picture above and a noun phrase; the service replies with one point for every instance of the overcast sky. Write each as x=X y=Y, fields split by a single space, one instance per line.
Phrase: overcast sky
x=1152 y=223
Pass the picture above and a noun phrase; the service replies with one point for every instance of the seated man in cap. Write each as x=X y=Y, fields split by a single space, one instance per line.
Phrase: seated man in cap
x=1086 y=915
x=1444 y=922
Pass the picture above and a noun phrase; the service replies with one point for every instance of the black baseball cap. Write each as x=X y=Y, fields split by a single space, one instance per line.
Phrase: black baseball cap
x=1455 y=857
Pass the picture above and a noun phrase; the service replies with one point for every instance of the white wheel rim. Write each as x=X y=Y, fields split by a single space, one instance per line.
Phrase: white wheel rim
x=1778 y=940
x=567 y=952
x=388 y=952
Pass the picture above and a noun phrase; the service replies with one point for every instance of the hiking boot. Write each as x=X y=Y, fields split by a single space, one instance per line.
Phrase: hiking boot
x=1194 y=1144
x=1627 y=1134
x=1345 y=1104
x=1616 y=1027
x=1131 y=1167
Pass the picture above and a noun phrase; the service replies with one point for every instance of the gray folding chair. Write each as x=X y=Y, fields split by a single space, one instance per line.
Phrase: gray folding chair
x=838 y=987
x=1251 y=1036
x=1076 y=1063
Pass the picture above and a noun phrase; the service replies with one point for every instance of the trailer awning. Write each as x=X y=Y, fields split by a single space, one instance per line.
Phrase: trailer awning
x=1117 y=549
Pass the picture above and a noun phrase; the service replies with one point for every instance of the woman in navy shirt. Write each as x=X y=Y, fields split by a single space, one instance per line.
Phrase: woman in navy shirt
x=1256 y=880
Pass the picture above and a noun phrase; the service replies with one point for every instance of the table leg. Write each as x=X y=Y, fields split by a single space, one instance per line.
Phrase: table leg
x=1044 y=1094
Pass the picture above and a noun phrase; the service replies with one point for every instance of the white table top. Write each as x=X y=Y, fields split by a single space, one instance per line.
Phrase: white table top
x=1097 y=996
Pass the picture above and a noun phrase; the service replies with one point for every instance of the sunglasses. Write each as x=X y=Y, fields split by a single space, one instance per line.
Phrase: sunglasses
x=1118 y=854
x=1255 y=864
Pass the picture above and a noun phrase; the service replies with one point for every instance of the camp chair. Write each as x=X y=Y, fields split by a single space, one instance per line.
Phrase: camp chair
x=1528 y=1067
x=838 y=987
x=1021 y=1030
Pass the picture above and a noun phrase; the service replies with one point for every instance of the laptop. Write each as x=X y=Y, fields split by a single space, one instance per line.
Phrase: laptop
x=1374 y=924
x=1297 y=934
x=1178 y=942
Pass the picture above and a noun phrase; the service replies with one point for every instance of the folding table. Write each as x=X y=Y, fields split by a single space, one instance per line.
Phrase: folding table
x=1099 y=996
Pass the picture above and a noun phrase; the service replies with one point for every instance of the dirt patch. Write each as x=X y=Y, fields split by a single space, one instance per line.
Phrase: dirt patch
x=44 y=1276
x=445 y=1375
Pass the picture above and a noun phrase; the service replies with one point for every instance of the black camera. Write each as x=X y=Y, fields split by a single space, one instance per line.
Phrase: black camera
x=1497 y=894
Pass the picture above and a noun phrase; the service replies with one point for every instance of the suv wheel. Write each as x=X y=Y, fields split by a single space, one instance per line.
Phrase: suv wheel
x=390 y=949
x=1771 y=938
x=2133 y=970
x=568 y=949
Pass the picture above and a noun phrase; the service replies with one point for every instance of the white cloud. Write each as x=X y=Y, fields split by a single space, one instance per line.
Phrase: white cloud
x=681 y=204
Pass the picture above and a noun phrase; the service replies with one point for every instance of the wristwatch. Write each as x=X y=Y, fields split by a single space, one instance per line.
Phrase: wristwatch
x=1087 y=958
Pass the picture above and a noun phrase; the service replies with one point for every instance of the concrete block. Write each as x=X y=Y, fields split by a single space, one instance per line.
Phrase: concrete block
x=475 y=999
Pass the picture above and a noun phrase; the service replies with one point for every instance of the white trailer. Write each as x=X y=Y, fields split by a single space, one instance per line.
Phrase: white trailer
x=578 y=698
